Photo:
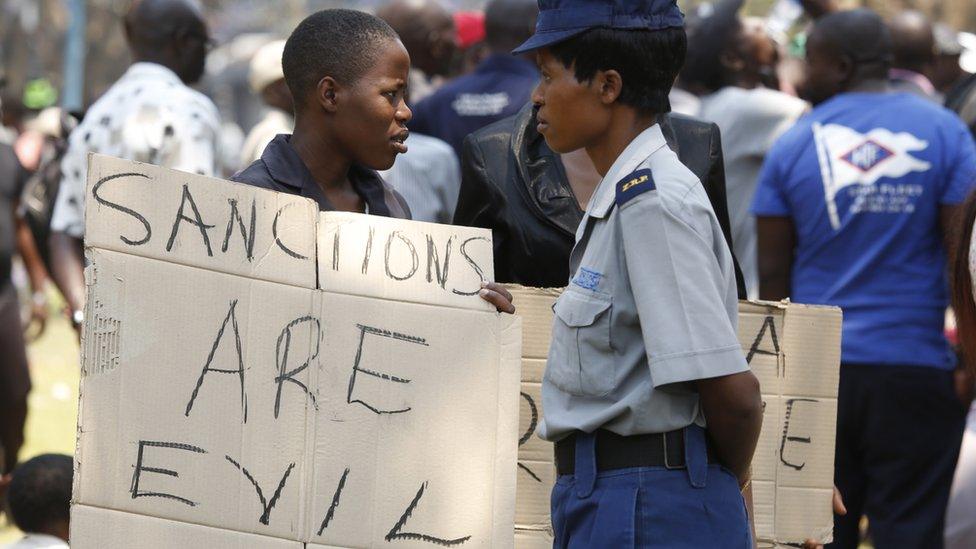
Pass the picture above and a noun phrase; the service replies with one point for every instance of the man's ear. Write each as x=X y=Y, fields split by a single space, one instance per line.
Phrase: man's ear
x=610 y=85
x=325 y=93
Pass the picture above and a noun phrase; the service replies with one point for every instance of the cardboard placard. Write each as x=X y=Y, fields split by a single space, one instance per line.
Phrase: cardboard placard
x=793 y=349
x=229 y=402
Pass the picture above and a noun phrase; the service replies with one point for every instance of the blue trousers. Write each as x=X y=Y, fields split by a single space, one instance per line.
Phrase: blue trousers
x=695 y=507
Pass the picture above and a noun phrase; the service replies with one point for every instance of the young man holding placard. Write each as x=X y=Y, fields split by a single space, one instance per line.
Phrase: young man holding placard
x=347 y=72
x=644 y=343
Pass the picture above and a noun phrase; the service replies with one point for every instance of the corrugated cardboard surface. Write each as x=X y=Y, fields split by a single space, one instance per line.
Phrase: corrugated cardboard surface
x=794 y=350
x=419 y=262
x=178 y=217
x=105 y=528
x=221 y=404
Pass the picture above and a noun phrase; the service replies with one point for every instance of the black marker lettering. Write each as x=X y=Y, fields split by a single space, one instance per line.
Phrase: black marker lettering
x=274 y=232
x=369 y=249
x=145 y=223
x=281 y=354
x=195 y=220
x=248 y=236
x=335 y=248
x=335 y=503
x=356 y=368
x=533 y=421
x=266 y=506
x=413 y=254
x=473 y=263
x=140 y=468
x=434 y=262
x=397 y=533
x=232 y=318
x=754 y=350
x=786 y=433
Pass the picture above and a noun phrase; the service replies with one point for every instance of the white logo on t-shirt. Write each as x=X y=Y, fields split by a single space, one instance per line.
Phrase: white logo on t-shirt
x=480 y=104
x=848 y=158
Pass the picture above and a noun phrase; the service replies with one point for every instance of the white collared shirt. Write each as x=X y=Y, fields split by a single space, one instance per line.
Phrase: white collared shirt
x=148 y=115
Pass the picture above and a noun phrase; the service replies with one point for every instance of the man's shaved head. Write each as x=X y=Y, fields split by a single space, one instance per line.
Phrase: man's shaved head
x=509 y=23
x=426 y=29
x=914 y=41
x=845 y=49
x=172 y=33
x=339 y=43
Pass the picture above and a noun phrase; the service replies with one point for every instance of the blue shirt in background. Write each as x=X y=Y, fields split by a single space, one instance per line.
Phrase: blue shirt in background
x=497 y=89
x=863 y=177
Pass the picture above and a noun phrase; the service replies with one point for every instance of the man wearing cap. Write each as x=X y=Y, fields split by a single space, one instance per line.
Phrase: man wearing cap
x=268 y=81
x=644 y=345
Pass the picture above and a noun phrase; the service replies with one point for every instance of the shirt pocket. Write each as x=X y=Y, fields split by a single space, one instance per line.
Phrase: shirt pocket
x=581 y=359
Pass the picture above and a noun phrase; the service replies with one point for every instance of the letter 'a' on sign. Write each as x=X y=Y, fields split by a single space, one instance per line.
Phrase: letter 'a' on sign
x=231 y=400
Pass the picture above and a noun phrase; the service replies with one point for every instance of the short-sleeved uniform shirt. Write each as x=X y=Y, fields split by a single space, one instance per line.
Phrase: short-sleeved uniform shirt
x=651 y=304
x=148 y=115
x=863 y=177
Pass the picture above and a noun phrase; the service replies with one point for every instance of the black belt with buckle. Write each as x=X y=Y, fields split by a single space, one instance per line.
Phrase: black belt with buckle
x=615 y=451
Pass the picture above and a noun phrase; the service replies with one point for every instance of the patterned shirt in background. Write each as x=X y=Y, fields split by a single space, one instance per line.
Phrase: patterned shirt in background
x=148 y=115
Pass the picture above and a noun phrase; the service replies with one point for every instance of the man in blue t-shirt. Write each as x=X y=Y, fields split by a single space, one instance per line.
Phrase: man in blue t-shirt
x=498 y=87
x=852 y=205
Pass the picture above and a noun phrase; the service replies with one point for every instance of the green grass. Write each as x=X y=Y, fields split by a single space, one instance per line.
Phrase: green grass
x=53 y=402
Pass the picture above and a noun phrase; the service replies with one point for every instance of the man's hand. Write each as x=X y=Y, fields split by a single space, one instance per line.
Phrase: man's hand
x=839 y=509
x=39 y=313
x=497 y=295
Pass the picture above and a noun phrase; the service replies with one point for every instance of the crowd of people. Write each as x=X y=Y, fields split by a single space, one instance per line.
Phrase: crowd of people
x=658 y=165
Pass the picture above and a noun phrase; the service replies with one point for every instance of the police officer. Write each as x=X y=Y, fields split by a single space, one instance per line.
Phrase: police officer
x=646 y=394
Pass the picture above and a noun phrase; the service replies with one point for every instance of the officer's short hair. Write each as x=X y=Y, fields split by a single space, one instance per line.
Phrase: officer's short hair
x=40 y=492
x=339 y=43
x=648 y=62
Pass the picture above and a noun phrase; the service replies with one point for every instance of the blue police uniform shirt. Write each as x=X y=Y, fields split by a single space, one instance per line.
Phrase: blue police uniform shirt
x=497 y=89
x=863 y=177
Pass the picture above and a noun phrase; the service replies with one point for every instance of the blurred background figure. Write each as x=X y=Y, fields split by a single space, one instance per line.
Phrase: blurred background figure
x=428 y=175
x=914 y=54
x=471 y=46
x=427 y=30
x=268 y=81
x=150 y=115
x=856 y=207
x=732 y=60
x=947 y=73
x=15 y=239
x=39 y=499
x=498 y=87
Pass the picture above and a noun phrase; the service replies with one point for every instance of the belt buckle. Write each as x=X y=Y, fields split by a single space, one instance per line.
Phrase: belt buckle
x=667 y=463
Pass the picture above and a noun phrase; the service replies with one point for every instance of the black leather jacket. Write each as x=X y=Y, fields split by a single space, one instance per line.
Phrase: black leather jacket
x=513 y=184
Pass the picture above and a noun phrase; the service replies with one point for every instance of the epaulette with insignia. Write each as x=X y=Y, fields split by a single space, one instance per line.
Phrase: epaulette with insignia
x=633 y=185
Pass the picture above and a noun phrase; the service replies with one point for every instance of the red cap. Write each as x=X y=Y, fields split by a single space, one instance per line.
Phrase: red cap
x=470 y=27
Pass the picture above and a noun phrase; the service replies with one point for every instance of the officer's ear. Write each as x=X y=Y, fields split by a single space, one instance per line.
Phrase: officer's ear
x=325 y=93
x=610 y=85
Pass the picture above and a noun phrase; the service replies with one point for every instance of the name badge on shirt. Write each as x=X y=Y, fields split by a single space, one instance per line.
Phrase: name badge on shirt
x=589 y=279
